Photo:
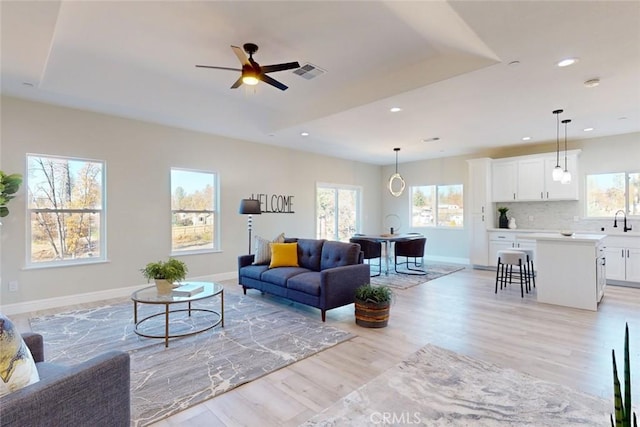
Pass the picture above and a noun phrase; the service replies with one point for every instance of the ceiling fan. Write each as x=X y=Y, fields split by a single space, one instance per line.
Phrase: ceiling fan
x=252 y=72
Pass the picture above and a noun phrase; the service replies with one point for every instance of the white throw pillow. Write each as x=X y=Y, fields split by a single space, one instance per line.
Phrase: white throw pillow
x=17 y=368
x=262 y=249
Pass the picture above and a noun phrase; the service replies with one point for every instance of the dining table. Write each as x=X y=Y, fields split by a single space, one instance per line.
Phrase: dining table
x=387 y=239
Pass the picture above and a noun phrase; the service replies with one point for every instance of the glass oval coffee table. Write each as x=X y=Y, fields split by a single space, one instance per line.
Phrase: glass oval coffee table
x=150 y=295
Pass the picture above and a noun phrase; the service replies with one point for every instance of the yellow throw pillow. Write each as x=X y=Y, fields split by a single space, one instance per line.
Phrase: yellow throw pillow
x=284 y=255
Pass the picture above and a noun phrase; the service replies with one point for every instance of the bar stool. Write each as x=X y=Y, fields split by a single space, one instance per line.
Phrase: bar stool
x=529 y=266
x=506 y=260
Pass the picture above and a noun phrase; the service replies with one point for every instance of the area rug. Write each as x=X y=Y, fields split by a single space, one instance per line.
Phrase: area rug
x=437 y=387
x=405 y=281
x=258 y=338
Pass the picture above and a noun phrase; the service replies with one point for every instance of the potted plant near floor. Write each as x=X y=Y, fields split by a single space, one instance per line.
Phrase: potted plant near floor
x=622 y=404
x=9 y=185
x=372 y=305
x=165 y=273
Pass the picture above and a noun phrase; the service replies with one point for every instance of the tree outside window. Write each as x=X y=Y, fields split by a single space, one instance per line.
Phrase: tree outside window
x=337 y=212
x=607 y=193
x=193 y=210
x=65 y=207
x=437 y=205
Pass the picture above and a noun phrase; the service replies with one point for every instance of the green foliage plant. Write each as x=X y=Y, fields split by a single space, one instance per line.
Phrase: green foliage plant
x=623 y=407
x=172 y=270
x=503 y=210
x=9 y=185
x=374 y=294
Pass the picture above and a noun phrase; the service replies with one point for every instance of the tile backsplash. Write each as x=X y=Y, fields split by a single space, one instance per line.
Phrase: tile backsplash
x=560 y=215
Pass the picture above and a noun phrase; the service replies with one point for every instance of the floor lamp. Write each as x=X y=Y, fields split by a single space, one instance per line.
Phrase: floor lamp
x=249 y=207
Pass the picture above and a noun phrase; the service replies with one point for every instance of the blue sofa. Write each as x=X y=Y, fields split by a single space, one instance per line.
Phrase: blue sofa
x=327 y=276
x=93 y=393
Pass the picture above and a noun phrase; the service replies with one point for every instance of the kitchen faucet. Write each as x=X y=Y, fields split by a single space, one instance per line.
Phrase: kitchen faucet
x=615 y=221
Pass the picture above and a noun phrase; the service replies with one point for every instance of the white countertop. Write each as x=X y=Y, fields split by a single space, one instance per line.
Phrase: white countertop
x=577 y=237
x=607 y=232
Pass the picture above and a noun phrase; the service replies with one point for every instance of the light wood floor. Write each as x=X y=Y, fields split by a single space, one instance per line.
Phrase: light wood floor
x=459 y=312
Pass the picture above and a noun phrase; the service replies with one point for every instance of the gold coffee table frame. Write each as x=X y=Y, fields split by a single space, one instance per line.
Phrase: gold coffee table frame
x=149 y=295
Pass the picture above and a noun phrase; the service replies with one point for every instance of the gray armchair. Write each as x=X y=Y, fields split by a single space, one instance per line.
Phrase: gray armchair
x=92 y=393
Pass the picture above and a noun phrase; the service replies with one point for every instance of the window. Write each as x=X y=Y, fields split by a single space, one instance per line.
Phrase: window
x=437 y=205
x=607 y=193
x=337 y=211
x=194 y=215
x=65 y=207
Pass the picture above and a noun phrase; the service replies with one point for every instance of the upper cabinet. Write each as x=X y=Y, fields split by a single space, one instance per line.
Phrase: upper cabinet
x=528 y=178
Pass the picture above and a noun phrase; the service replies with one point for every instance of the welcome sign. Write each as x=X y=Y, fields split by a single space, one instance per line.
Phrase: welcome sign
x=274 y=203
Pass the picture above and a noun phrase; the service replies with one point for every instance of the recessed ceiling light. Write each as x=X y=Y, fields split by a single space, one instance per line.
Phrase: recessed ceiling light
x=395 y=109
x=526 y=138
x=587 y=129
x=304 y=133
x=566 y=62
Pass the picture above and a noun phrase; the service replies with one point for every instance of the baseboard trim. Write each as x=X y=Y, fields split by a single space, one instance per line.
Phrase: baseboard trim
x=49 y=303
x=446 y=259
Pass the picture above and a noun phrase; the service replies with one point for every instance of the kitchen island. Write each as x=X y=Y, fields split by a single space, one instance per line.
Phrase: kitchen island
x=571 y=269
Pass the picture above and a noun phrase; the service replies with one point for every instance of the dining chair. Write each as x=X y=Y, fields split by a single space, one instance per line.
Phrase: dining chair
x=372 y=249
x=412 y=250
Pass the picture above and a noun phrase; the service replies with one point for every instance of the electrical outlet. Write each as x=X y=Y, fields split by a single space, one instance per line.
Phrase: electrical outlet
x=13 y=286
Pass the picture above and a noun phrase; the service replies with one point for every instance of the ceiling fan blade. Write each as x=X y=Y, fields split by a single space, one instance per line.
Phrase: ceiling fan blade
x=237 y=84
x=280 y=67
x=272 y=82
x=219 y=68
x=241 y=55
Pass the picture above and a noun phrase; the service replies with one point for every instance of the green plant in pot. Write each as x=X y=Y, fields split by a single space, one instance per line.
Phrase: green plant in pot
x=503 y=221
x=372 y=304
x=165 y=273
x=623 y=406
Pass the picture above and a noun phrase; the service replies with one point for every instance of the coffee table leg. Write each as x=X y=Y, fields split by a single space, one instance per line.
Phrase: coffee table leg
x=166 y=326
x=189 y=308
x=135 y=313
x=222 y=307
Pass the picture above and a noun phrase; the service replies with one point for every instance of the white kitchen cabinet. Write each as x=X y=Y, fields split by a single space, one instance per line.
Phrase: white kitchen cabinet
x=499 y=240
x=531 y=179
x=528 y=178
x=623 y=258
x=481 y=210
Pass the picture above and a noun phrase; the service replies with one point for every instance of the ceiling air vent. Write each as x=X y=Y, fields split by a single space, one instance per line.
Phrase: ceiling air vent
x=309 y=71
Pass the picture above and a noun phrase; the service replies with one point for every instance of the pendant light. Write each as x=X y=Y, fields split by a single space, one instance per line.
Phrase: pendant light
x=557 y=171
x=396 y=182
x=566 y=175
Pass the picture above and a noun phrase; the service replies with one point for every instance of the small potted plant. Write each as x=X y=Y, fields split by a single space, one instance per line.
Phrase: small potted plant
x=503 y=221
x=372 y=305
x=165 y=273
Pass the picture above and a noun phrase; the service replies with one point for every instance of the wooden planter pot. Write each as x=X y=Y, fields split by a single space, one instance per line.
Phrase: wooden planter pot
x=372 y=315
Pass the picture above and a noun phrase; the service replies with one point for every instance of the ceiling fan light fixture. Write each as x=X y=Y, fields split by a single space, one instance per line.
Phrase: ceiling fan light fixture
x=250 y=79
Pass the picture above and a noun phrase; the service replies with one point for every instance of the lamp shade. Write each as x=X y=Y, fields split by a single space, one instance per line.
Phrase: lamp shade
x=249 y=207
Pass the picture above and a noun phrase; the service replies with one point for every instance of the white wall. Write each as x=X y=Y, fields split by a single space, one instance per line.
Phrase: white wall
x=138 y=158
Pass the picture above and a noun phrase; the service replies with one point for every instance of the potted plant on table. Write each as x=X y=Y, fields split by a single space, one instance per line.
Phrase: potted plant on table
x=503 y=221
x=165 y=273
x=372 y=305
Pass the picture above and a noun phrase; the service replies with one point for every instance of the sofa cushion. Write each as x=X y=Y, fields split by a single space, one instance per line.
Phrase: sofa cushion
x=279 y=276
x=284 y=255
x=253 y=271
x=338 y=254
x=17 y=368
x=310 y=253
x=309 y=283
x=263 y=250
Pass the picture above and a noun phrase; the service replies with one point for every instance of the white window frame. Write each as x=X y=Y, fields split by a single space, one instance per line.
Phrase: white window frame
x=101 y=210
x=336 y=187
x=215 y=212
